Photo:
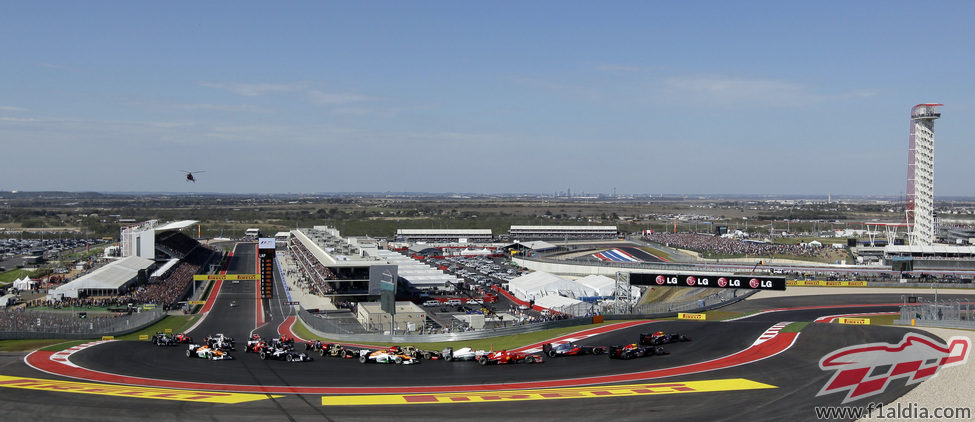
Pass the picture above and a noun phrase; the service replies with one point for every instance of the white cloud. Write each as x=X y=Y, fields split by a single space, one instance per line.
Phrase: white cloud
x=239 y=108
x=609 y=67
x=254 y=90
x=329 y=98
x=12 y=108
x=721 y=91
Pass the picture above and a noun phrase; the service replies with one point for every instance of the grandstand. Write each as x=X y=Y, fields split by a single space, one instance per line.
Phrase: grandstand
x=562 y=232
x=444 y=235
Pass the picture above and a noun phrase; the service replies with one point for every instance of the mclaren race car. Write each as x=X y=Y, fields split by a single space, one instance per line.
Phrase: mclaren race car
x=631 y=351
x=504 y=357
x=205 y=352
x=572 y=349
x=661 y=337
x=391 y=355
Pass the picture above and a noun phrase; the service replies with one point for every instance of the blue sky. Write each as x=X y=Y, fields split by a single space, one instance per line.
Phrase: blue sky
x=644 y=97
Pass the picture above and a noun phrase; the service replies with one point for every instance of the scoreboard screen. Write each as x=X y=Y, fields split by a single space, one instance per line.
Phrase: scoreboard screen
x=265 y=260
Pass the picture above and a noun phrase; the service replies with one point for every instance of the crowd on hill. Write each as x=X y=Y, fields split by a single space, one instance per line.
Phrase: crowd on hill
x=730 y=246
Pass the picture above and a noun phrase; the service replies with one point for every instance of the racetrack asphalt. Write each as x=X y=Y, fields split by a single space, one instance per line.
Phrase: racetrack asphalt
x=795 y=372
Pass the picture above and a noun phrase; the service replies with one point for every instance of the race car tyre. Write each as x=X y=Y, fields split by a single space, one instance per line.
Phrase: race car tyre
x=483 y=360
x=427 y=355
x=529 y=359
x=189 y=353
x=551 y=353
x=397 y=359
x=363 y=359
x=321 y=353
x=263 y=355
x=344 y=354
x=597 y=350
x=448 y=357
x=289 y=358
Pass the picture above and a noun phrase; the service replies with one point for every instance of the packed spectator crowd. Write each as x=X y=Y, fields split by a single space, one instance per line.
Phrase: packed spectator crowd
x=729 y=246
x=313 y=275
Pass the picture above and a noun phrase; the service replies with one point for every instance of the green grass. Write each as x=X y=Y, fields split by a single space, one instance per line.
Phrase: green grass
x=794 y=327
x=10 y=276
x=25 y=345
x=177 y=323
x=883 y=319
x=496 y=343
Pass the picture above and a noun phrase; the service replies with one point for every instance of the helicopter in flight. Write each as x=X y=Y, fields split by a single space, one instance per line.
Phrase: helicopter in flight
x=189 y=175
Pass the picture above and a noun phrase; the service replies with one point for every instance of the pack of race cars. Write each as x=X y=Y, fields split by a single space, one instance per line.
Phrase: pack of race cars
x=219 y=346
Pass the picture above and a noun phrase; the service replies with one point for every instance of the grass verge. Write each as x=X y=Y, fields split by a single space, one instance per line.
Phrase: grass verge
x=177 y=323
x=794 y=327
x=10 y=276
x=496 y=343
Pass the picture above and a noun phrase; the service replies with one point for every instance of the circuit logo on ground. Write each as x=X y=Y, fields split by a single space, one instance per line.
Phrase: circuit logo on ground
x=866 y=370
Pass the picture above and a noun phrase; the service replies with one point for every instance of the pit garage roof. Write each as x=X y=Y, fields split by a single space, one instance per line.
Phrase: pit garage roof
x=176 y=225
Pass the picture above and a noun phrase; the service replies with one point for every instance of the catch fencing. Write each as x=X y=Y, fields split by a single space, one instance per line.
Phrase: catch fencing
x=952 y=313
x=25 y=324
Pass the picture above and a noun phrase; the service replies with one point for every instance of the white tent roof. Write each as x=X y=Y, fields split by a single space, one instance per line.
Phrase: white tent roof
x=602 y=285
x=555 y=301
x=23 y=284
x=111 y=276
x=540 y=283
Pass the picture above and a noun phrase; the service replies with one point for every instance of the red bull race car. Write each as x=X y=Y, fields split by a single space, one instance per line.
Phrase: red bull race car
x=661 y=337
x=633 y=350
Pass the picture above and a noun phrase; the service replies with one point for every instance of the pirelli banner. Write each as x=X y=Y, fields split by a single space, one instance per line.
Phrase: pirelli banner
x=726 y=281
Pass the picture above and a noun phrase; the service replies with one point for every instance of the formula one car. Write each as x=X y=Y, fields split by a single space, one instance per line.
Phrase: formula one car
x=631 y=351
x=504 y=357
x=661 y=337
x=337 y=350
x=391 y=355
x=278 y=353
x=256 y=344
x=417 y=353
x=162 y=339
x=205 y=352
x=314 y=345
x=183 y=338
x=464 y=353
x=572 y=349
x=220 y=343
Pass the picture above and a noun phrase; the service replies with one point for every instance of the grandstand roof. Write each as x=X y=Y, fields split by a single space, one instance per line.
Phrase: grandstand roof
x=577 y=228
x=176 y=225
x=930 y=250
x=486 y=232
x=111 y=276
x=165 y=267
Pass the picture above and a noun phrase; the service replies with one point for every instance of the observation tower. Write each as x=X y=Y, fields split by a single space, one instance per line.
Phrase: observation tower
x=920 y=175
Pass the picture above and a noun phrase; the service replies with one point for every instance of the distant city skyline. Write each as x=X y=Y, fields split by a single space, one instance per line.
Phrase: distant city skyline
x=756 y=98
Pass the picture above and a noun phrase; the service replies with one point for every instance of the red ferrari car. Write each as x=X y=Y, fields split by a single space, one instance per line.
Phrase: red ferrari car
x=504 y=356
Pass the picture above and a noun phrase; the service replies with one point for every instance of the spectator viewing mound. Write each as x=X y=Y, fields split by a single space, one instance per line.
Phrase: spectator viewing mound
x=722 y=247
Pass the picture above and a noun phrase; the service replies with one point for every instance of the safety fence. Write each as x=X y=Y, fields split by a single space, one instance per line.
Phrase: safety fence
x=24 y=324
x=952 y=313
